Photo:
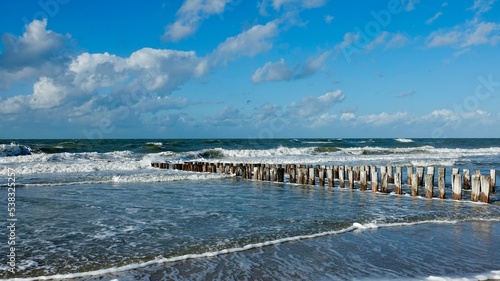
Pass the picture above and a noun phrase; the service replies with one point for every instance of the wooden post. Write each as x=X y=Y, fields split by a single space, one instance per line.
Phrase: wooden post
x=341 y=177
x=441 y=182
x=420 y=173
x=466 y=179
x=256 y=172
x=350 y=177
x=274 y=172
x=397 y=183
x=414 y=185
x=329 y=176
x=429 y=185
x=399 y=170
x=493 y=179
x=368 y=173
x=430 y=170
x=485 y=189
x=312 y=175
x=281 y=173
x=356 y=171
x=267 y=172
x=362 y=180
x=390 y=174
x=335 y=172
x=456 y=190
x=292 y=172
x=374 y=180
x=409 y=172
x=476 y=188
x=383 y=182
x=321 y=175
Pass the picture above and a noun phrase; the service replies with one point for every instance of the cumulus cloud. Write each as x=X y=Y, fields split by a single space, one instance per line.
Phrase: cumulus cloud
x=280 y=71
x=189 y=17
x=36 y=46
x=311 y=106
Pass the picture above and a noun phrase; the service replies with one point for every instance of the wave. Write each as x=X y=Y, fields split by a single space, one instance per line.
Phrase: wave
x=403 y=140
x=162 y=260
x=14 y=150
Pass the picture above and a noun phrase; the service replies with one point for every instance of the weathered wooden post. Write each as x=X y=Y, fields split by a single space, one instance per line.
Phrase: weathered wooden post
x=329 y=175
x=456 y=190
x=281 y=173
x=476 y=188
x=335 y=172
x=341 y=177
x=321 y=175
x=356 y=171
x=350 y=177
x=420 y=173
x=362 y=180
x=399 y=170
x=256 y=172
x=292 y=172
x=374 y=180
x=267 y=172
x=466 y=179
x=312 y=175
x=429 y=185
x=274 y=173
x=390 y=174
x=414 y=184
x=493 y=179
x=398 y=189
x=485 y=189
x=441 y=182
x=368 y=173
x=409 y=172
x=300 y=174
x=383 y=181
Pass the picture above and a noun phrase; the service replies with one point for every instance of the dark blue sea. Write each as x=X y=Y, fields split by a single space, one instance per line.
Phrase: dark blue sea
x=97 y=210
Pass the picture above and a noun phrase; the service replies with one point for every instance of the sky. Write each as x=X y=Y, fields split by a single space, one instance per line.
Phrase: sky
x=249 y=69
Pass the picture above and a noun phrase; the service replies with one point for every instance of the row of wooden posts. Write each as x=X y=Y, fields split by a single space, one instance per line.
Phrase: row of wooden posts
x=481 y=186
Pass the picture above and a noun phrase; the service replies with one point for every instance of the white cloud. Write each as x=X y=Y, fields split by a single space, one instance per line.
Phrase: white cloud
x=433 y=18
x=311 y=106
x=462 y=36
x=249 y=43
x=482 y=6
x=36 y=46
x=347 y=116
x=382 y=119
x=329 y=18
x=359 y=42
x=280 y=71
x=273 y=71
x=189 y=17
x=46 y=94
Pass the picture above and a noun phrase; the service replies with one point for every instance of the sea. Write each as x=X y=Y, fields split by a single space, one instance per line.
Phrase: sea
x=81 y=209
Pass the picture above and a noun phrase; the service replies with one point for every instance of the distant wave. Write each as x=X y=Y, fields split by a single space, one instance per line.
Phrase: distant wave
x=403 y=140
x=14 y=150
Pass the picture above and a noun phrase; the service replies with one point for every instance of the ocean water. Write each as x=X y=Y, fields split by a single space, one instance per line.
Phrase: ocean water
x=97 y=210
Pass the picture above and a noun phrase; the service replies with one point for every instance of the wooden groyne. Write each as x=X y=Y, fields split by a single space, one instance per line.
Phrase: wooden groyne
x=419 y=180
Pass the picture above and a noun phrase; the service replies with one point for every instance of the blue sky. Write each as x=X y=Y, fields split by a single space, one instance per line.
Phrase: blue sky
x=245 y=69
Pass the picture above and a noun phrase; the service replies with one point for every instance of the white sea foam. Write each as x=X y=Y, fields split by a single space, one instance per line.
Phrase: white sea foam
x=14 y=150
x=403 y=140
